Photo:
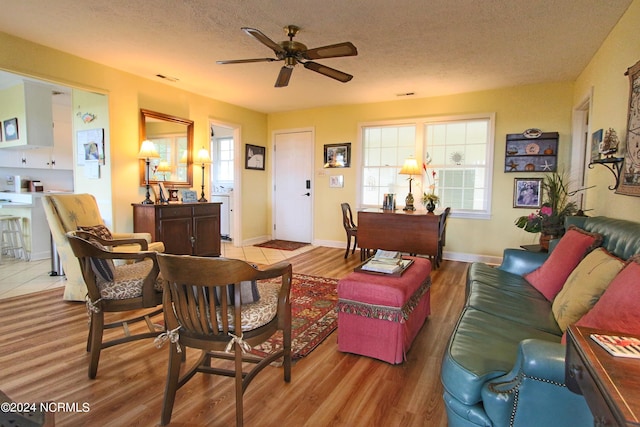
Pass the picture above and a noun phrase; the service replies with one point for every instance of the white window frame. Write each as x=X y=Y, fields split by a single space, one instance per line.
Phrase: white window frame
x=420 y=146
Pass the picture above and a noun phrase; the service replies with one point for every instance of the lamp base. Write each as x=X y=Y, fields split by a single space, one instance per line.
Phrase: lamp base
x=408 y=203
x=202 y=200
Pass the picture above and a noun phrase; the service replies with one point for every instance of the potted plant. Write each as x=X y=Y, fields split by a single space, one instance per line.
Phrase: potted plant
x=556 y=206
x=429 y=201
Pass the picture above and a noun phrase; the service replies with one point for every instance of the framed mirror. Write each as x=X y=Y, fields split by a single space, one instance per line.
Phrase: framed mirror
x=173 y=139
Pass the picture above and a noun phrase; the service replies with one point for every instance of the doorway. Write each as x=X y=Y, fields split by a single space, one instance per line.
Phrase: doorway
x=225 y=176
x=581 y=148
x=293 y=184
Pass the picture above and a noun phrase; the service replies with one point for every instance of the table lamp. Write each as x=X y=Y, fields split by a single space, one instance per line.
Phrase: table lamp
x=203 y=158
x=163 y=168
x=148 y=152
x=410 y=168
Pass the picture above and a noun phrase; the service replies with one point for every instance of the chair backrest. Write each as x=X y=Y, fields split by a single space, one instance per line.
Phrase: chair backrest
x=64 y=213
x=193 y=290
x=347 y=217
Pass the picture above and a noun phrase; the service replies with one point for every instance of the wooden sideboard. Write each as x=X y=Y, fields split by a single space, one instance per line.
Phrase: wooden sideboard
x=610 y=385
x=414 y=232
x=185 y=229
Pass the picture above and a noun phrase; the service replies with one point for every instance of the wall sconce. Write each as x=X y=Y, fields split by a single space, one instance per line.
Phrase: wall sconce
x=410 y=168
x=203 y=158
x=148 y=152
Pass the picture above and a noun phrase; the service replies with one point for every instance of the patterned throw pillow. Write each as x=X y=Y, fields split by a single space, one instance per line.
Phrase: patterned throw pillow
x=572 y=247
x=99 y=230
x=584 y=286
x=617 y=308
x=103 y=268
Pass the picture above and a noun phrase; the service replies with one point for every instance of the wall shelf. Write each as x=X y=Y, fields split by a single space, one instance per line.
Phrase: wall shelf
x=526 y=154
x=614 y=164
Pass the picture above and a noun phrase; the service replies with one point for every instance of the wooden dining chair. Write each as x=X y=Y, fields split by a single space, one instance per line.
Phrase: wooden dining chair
x=200 y=313
x=349 y=227
x=442 y=234
x=129 y=287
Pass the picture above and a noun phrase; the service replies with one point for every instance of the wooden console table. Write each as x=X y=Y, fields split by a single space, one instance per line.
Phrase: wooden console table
x=610 y=385
x=414 y=232
x=185 y=228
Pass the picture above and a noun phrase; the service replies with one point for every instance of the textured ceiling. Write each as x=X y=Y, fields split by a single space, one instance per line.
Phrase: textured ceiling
x=427 y=47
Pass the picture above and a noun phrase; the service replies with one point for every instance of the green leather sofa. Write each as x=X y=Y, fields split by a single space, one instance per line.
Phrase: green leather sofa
x=504 y=364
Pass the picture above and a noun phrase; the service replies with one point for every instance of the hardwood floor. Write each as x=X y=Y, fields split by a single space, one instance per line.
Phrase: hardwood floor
x=43 y=358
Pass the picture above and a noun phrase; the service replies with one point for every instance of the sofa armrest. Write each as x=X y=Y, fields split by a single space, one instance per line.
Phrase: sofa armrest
x=521 y=262
x=534 y=392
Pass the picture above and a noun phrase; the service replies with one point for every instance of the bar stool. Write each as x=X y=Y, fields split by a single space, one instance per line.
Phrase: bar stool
x=11 y=237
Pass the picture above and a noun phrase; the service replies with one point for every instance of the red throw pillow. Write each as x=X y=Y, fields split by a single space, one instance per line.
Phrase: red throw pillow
x=617 y=308
x=572 y=247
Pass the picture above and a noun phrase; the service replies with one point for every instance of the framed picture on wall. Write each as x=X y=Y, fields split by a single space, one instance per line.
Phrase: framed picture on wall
x=527 y=193
x=630 y=173
x=337 y=155
x=11 y=129
x=254 y=157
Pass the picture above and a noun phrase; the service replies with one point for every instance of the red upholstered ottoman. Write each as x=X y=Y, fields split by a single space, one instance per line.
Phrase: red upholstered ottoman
x=379 y=316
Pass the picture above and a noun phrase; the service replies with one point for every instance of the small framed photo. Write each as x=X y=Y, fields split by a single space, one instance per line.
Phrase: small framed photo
x=189 y=196
x=337 y=155
x=596 y=140
x=11 y=129
x=527 y=193
x=336 y=181
x=255 y=157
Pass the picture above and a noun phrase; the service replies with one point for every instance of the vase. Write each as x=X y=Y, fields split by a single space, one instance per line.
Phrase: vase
x=430 y=206
x=544 y=240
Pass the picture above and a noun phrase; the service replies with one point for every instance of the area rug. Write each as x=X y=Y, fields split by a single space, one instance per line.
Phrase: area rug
x=284 y=245
x=313 y=315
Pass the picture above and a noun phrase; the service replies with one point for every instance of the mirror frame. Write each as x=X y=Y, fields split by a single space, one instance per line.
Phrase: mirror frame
x=144 y=114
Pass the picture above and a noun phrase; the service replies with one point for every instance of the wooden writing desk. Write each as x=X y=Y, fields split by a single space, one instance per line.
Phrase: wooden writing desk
x=412 y=232
x=611 y=385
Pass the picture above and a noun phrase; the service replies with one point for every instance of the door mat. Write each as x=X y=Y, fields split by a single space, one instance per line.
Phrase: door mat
x=284 y=245
x=313 y=315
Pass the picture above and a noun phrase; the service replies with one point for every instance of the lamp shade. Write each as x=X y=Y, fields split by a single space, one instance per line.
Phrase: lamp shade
x=148 y=150
x=203 y=156
x=410 y=167
x=163 y=166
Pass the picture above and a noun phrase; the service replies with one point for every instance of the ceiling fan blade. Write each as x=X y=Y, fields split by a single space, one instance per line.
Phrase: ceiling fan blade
x=284 y=76
x=244 y=61
x=332 y=51
x=328 y=71
x=257 y=34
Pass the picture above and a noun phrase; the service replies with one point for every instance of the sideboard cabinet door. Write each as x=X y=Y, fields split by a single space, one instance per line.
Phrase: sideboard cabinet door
x=185 y=229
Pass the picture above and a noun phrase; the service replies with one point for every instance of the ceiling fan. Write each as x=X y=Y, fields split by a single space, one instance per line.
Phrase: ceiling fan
x=292 y=53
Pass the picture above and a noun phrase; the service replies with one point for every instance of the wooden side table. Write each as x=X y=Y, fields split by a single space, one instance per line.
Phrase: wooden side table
x=610 y=385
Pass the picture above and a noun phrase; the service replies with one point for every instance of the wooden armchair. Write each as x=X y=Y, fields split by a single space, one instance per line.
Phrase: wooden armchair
x=116 y=288
x=199 y=315
x=68 y=212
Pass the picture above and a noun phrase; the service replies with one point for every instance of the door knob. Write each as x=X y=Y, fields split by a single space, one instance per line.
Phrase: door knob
x=307 y=194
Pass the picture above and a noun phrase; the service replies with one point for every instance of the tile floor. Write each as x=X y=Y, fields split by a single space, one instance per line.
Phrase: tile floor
x=18 y=277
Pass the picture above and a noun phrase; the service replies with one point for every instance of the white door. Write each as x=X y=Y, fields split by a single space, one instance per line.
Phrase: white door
x=293 y=173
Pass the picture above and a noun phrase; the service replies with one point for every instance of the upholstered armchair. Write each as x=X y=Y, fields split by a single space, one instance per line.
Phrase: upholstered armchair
x=69 y=212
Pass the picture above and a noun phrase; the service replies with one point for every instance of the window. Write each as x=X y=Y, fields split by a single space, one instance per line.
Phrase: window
x=384 y=150
x=459 y=150
x=224 y=161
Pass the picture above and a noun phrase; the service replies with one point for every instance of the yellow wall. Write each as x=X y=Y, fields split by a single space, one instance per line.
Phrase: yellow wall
x=605 y=76
x=127 y=94
x=545 y=106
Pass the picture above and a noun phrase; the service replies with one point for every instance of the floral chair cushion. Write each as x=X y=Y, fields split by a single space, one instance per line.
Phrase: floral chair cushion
x=127 y=281
x=258 y=313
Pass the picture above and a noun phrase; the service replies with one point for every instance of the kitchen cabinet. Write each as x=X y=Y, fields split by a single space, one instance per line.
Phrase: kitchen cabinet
x=185 y=229
x=32 y=107
x=531 y=152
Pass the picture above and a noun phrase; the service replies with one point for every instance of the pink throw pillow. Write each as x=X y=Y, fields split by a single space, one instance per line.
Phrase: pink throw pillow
x=572 y=247
x=617 y=308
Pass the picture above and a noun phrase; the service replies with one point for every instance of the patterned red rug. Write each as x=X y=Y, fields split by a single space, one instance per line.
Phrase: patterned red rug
x=313 y=315
x=284 y=245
